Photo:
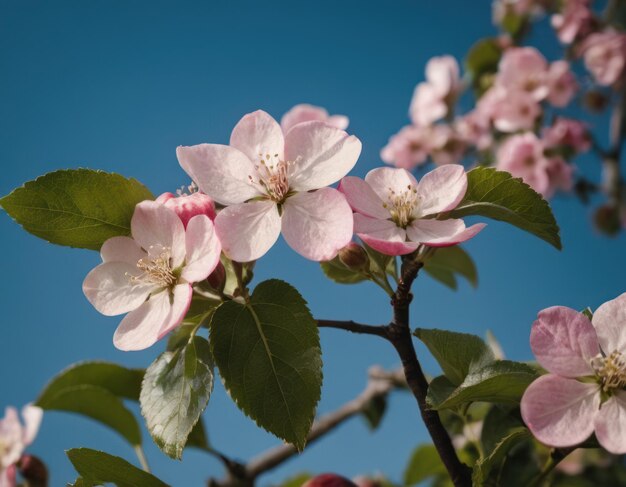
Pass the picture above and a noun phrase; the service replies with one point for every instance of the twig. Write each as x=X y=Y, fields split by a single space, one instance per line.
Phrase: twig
x=379 y=330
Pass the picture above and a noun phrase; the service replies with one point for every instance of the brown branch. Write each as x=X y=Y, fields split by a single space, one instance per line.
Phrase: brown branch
x=399 y=334
x=379 y=330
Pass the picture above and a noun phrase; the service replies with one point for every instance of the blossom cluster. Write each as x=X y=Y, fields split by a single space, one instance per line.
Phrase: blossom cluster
x=510 y=125
x=271 y=179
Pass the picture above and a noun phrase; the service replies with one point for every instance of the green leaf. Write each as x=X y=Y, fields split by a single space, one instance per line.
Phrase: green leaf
x=374 y=411
x=503 y=381
x=118 y=380
x=336 y=271
x=198 y=437
x=76 y=207
x=456 y=353
x=423 y=464
x=175 y=391
x=439 y=389
x=588 y=313
x=495 y=460
x=482 y=62
x=497 y=195
x=268 y=354
x=97 y=467
x=98 y=404
x=497 y=424
x=447 y=262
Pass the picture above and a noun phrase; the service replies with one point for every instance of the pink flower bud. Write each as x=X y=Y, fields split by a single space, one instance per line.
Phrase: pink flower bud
x=329 y=480
x=33 y=470
x=354 y=257
x=217 y=278
x=186 y=206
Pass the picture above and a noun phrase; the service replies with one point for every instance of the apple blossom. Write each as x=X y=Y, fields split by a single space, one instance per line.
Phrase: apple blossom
x=14 y=438
x=265 y=180
x=447 y=145
x=150 y=275
x=523 y=156
x=584 y=390
x=511 y=110
x=574 y=19
x=431 y=99
x=408 y=148
x=307 y=113
x=474 y=128
x=569 y=133
x=604 y=54
x=395 y=213
x=562 y=83
x=524 y=69
x=186 y=206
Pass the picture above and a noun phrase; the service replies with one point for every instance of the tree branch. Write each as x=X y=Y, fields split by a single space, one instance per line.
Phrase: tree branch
x=379 y=330
x=612 y=178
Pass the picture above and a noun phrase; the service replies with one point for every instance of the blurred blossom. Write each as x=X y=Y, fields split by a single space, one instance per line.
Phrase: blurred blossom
x=475 y=129
x=510 y=111
x=431 y=99
x=561 y=83
x=524 y=69
x=574 y=20
x=604 y=54
x=14 y=438
x=567 y=132
x=408 y=148
x=447 y=146
x=306 y=113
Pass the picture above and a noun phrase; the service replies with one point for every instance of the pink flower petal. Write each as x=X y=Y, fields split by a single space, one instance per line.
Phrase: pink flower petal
x=441 y=233
x=247 y=231
x=321 y=154
x=157 y=228
x=442 y=189
x=564 y=341
x=302 y=113
x=152 y=320
x=382 y=235
x=203 y=249
x=362 y=198
x=318 y=224
x=109 y=288
x=220 y=171
x=609 y=321
x=383 y=180
x=257 y=134
x=32 y=420
x=121 y=249
x=338 y=121
x=560 y=412
x=610 y=424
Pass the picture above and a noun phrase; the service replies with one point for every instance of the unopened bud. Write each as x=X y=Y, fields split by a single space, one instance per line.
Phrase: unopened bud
x=607 y=220
x=329 y=480
x=217 y=278
x=187 y=206
x=354 y=257
x=595 y=101
x=33 y=470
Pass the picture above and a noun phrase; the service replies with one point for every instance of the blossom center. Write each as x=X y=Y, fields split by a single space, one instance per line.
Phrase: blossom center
x=273 y=176
x=402 y=205
x=611 y=370
x=156 y=270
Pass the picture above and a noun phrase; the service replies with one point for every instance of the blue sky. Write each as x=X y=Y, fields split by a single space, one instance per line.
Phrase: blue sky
x=118 y=85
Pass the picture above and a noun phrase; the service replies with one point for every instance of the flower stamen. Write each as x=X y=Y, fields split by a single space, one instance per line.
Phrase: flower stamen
x=157 y=270
x=611 y=370
x=402 y=205
x=273 y=176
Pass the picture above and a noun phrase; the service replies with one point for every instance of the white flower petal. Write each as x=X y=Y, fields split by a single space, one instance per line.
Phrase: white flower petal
x=32 y=420
x=203 y=249
x=121 y=249
x=109 y=288
x=362 y=198
x=442 y=189
x=220 y=171
x=321 y=154
x=256 y=135
x=610 y=424
x=318 y=224
x=441 y=233
x=247 y=231
x=384 y=180
x=156 y=227
x=609 y=321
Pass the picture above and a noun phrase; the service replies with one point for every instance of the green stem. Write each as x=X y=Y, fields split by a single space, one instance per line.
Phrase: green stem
x=142 y=458
x=238 y=268
x=553 y=460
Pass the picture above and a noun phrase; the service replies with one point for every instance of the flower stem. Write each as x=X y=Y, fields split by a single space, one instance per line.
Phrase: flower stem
x=142 y=458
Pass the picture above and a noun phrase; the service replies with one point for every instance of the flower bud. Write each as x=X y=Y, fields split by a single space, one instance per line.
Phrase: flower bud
x=354 y=257
x=33 y=470
x=217 y=278
x=607 y=220
x=595 y=101
x=329 y=480
x=187 y=206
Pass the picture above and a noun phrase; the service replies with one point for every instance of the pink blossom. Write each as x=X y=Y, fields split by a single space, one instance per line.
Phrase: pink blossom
x=150 y=275
x=186 y=206
x=562 y=84
x=266 y=181
x=510 y=111
x=307 y=113
x=518 y=7
x=569 y=133
x=395 y=213
x=523 y=156
x=447 y=146
x=475 y=129
x=560 y=408
x=605 y=55
x=524 y=69
x=574 y=20
x=408 y=148
x=431 y=99
x=14 y=438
